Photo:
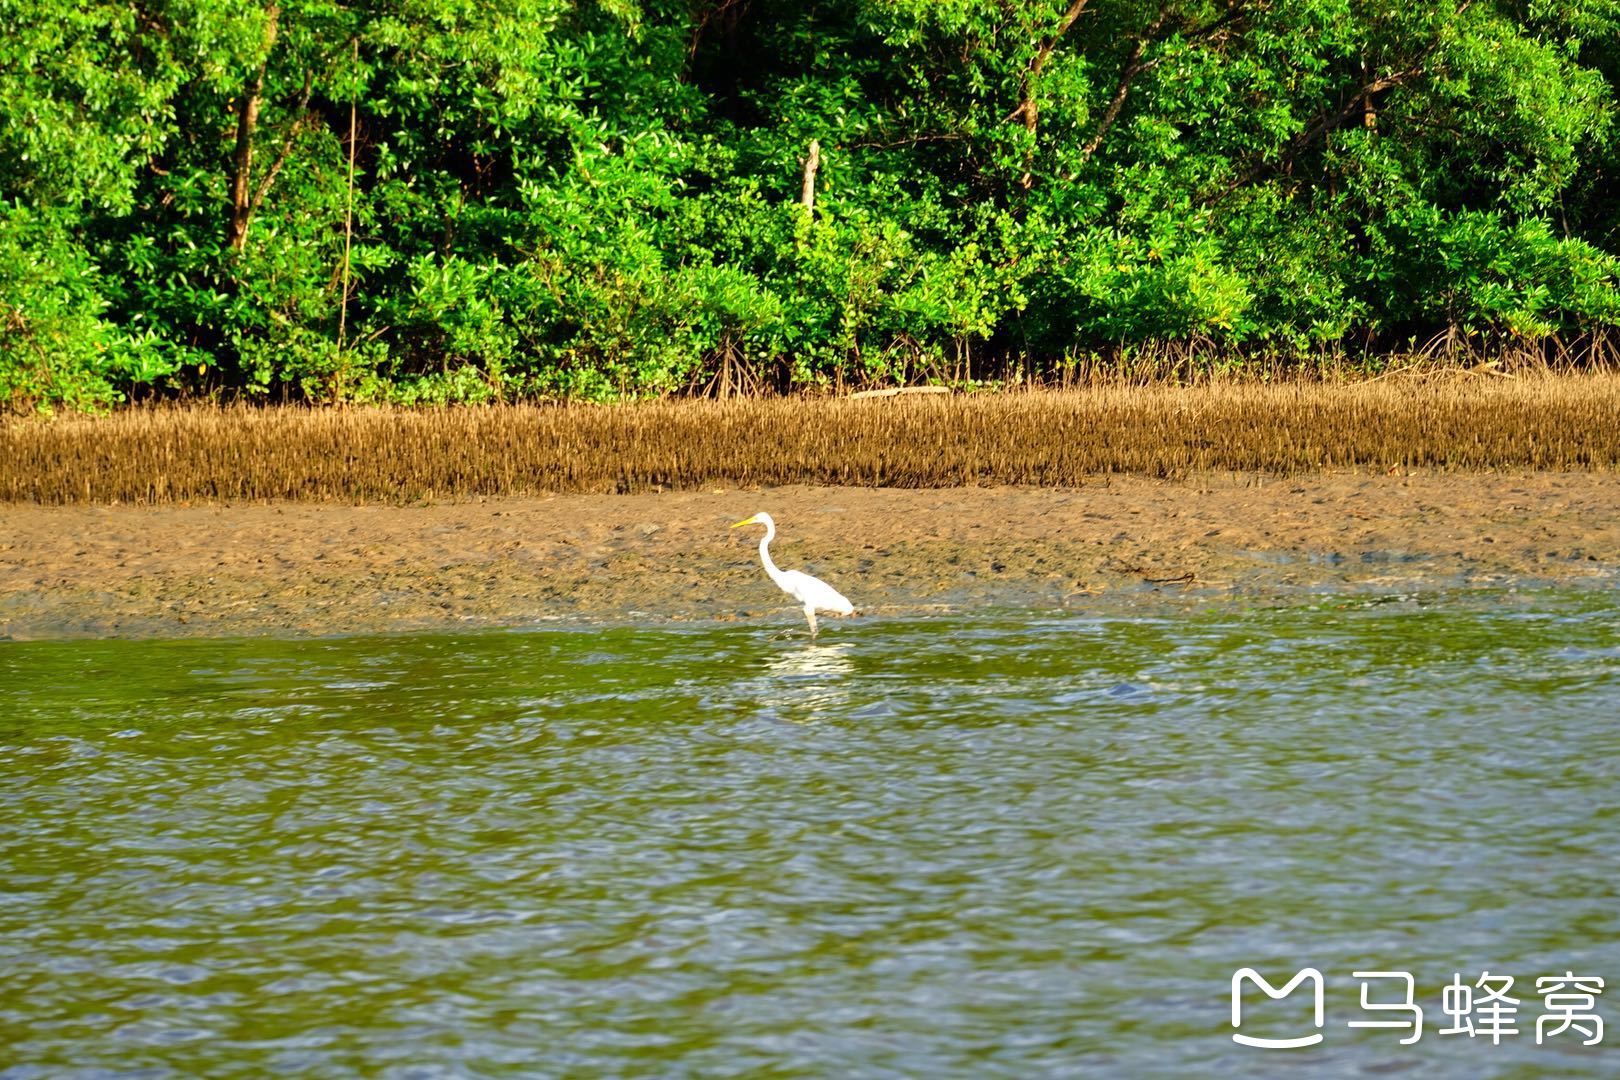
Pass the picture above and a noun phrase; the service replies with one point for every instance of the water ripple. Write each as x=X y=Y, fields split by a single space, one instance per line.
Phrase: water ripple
x=1013 y=846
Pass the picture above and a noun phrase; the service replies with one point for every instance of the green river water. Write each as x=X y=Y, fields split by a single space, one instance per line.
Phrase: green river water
x=1006 y=844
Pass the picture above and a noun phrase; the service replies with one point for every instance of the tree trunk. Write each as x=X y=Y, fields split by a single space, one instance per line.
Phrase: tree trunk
x=1029 y=106
x=247 y=120
x=348 y=206
x=1369 y=111
x=812 y=162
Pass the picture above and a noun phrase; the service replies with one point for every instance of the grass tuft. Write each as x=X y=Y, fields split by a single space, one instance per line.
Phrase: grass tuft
x=1459 y=421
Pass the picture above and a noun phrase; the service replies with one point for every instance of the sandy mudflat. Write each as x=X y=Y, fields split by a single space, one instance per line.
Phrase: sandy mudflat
x=308 y=568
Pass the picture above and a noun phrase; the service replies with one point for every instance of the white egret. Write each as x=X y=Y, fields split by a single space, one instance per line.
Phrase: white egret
x=815 y=594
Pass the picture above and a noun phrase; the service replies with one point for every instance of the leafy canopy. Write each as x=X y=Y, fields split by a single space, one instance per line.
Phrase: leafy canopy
x=602 y=198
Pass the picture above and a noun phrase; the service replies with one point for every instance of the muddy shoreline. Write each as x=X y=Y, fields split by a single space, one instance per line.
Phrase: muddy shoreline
x=293 y=569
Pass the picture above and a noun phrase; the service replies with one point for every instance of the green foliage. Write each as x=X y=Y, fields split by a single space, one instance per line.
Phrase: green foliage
x=600 y=198
x=58 y=349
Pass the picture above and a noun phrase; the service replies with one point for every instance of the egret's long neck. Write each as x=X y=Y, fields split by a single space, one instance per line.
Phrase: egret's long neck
x=765 y=552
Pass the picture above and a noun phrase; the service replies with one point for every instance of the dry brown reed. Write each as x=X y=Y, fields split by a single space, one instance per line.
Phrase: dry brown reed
x=1460 y=421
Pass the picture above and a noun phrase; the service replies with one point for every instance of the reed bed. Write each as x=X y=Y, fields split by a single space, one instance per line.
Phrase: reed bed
x=166 y=455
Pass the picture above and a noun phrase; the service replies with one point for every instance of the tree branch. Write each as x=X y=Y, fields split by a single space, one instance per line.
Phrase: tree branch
x=1028 y=108
x=1134 y=66
x=300 y=114
x=1026 y=100
x=1325 y=123
x=909 y=140
x=710 y=13
x=1359 y=101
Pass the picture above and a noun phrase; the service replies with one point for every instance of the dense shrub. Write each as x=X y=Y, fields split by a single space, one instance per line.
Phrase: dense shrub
x=601 y=198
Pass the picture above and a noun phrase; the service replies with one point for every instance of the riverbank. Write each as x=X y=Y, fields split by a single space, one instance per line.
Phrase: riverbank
x=301 y=568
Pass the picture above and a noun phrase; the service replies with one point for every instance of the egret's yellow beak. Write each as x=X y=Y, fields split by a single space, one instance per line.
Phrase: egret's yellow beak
x=746 y=521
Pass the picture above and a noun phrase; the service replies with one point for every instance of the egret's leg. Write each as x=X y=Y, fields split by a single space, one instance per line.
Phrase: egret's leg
x=810 y=613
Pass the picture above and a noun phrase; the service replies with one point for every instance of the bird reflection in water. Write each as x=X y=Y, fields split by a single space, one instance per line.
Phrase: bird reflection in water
x=813 y=677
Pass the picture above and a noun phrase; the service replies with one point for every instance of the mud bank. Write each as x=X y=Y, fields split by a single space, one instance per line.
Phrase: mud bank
x=315 y=569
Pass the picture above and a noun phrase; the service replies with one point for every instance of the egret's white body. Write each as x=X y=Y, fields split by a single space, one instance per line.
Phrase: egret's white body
x=815 y=594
